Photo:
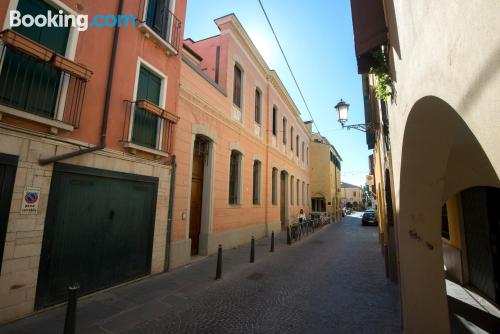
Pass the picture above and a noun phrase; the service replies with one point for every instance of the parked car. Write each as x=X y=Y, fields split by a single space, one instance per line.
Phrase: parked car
x=369 y=218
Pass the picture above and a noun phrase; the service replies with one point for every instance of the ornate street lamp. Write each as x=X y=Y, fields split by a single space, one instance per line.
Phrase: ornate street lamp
x=343 y=113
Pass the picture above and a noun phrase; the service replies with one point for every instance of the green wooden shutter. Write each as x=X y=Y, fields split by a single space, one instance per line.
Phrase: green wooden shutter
x=25 y=83
x=54 y=38
x=145 y=128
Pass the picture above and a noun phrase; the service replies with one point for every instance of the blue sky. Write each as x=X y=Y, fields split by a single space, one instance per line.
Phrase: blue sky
x=318 y=41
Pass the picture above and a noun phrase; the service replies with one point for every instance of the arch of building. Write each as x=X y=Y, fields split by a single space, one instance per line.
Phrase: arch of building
x=440 y=157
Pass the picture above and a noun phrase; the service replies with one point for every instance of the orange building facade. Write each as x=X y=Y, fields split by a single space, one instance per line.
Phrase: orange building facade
x=87 y=129
x=242 y=150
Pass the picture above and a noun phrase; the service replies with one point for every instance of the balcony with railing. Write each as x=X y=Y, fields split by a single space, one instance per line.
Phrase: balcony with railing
x=40 y=85
x=148 y=128
x=161 y=25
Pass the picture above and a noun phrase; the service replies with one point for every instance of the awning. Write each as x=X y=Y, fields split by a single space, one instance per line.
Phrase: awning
x=370 y=31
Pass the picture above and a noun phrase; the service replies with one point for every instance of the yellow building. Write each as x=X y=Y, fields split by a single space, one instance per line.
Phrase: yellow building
x=349 y=193
x=325 y=176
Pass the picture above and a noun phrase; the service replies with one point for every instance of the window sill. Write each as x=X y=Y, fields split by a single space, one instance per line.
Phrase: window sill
x=257 y=130
x=256 y=205
x=164 y=44
x=54 y=125
x=237 y=114
x=234 y=206
x=135 y=147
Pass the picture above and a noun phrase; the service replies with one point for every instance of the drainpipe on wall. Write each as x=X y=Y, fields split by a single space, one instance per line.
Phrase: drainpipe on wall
x=104 y=125
x=170 y=213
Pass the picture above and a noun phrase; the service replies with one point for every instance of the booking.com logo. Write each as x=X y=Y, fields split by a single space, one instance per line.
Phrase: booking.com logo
x=80 y=22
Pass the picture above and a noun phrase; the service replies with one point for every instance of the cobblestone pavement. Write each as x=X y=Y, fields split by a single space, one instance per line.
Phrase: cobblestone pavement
x=332 y=281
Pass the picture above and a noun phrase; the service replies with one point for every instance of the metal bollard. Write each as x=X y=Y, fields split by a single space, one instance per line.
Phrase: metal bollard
x=288 y=237
x=252 y=250
x=272 y=242
x=70 y=321
x=218 y=271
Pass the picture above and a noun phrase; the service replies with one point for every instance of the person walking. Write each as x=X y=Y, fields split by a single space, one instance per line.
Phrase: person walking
x=302 y=216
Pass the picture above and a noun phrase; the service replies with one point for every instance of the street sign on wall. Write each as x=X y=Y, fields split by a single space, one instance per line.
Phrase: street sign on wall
x=30 y=201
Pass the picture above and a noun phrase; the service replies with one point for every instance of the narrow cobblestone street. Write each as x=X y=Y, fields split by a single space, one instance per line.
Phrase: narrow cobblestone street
x=331 y=282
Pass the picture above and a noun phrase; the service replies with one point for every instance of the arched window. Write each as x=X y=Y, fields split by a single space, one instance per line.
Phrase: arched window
x=235 y=177
x=303 y=193
x=292 y=185
x=258 y=106
x=256 y=182
x=298 y=192
x=275 y=120
x=237 y=86
x=274 y=195
x=291 y=138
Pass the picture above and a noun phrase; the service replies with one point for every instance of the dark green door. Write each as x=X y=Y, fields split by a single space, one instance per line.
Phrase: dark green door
x=8 y=167
x=25 y=83
x=98 y=231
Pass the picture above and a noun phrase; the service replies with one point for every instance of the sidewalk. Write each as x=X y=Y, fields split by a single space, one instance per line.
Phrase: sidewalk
x=119 y=309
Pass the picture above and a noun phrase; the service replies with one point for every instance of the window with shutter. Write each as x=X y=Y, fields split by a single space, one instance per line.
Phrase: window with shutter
x=33 y=86
x=274 y=194
x=256 y=182
x=157 y=15
x=237 y=86
x=234 y=177
x=257 y=106
x=275 y=120
x=298 y=192
x=146 y=124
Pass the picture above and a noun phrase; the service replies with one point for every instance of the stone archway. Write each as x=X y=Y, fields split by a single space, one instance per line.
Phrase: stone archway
x=440 y=157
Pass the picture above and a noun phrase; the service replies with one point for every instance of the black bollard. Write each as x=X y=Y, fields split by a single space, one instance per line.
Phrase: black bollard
x=288 y=237
x=70 y=321
x=252 y=250
x=218 y=271
x=272 y=242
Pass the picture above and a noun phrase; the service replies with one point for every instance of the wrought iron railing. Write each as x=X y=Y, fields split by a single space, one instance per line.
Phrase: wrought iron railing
x=41 y=86
x=149 y=126
x=163 y=22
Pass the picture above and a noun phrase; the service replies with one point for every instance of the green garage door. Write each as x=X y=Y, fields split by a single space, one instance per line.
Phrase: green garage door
x=98 y=231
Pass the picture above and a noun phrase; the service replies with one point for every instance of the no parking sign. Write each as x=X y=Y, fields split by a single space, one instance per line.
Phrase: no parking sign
x=31 y=198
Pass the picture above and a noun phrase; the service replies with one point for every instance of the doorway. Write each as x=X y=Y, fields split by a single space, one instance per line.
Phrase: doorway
x=482 y=239
x=200 y=155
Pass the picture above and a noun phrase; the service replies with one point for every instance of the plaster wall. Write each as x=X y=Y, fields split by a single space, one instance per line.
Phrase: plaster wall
x=449 y=50
x=207 y=110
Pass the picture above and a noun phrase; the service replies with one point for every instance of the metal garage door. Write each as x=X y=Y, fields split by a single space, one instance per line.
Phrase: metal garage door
x=98 y=231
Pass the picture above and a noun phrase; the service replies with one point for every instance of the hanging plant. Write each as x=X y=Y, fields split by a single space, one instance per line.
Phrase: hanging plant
x=383 y=85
